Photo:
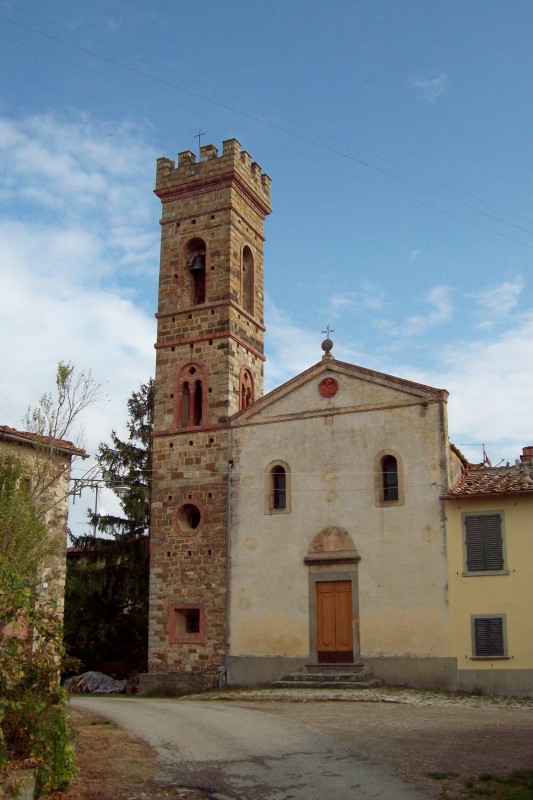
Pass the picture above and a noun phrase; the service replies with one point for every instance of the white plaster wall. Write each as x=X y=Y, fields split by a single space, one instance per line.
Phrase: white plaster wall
x=402 y=572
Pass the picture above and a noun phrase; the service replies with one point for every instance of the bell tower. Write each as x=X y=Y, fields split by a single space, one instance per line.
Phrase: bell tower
x=209 y=366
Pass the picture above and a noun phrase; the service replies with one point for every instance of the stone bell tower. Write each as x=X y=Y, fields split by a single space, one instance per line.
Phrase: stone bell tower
x=209 y=365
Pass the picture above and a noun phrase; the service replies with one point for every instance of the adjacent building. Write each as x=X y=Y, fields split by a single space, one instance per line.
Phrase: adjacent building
x=48 y=464
x=489 y=521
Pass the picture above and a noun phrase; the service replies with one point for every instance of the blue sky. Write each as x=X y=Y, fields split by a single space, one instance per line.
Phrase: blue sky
x=398 y=138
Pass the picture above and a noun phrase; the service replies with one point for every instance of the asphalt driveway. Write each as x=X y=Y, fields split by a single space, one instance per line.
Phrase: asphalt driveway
x=233 y=752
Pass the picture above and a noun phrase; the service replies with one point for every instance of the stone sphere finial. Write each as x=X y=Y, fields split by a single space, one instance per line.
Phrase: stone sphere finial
x=327 y=344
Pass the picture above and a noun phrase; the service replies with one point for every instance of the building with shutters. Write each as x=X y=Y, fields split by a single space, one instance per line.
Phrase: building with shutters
x=302 y=528
x=489 y=515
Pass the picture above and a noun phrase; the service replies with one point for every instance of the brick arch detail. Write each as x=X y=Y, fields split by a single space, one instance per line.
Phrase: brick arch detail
x=181 y=375
x=246 y=372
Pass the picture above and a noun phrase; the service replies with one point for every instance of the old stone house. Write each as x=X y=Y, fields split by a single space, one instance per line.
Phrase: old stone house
x=301 y=527
x=48 y=465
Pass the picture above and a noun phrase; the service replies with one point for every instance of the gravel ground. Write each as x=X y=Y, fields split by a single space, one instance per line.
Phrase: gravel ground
x=435 y=740
x=381 y=694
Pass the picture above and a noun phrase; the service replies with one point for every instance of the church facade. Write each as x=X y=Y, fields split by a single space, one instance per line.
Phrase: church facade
x=300 y=527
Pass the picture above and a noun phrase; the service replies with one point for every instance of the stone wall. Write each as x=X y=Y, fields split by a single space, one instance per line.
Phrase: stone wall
x=55 y=501
x=215 y=208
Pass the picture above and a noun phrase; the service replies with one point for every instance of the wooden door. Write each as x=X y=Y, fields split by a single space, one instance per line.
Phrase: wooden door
x=334 y=621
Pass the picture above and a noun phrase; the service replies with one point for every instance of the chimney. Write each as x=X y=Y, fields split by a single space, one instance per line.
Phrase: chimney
x=527 y=455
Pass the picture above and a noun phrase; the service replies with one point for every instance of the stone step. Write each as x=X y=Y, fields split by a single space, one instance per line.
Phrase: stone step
x=306 y=684
x=332 y=677
x=355 y=668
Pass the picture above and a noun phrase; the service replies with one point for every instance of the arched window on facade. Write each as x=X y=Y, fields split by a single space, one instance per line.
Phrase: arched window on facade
x=190 y=396
x=246 y=388
x=388 y=479
x=195 y=265
x=277 y=488
x=248 y=280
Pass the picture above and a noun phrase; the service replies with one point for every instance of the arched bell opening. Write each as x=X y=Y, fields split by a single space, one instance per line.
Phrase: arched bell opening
x=195 y=267
x=248 y=280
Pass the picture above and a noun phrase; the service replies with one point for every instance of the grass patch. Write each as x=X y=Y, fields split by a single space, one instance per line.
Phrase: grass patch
x=104 y=723
x=515 y=786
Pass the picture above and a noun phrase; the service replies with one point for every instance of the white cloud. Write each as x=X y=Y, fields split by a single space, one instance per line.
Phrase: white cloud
x=431 y=88
x=74 y=171
x=367 y=298
x=290 y=348
x=440 y=311
x=414 y=255
x=490 y=382
x=491 y=389
x=497 y=301
x=78 y=222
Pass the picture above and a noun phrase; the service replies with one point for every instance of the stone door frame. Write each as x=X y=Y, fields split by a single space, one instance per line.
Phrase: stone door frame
x=318 y=573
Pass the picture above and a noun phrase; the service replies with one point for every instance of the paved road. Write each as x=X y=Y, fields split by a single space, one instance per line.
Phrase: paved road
x=232 y=752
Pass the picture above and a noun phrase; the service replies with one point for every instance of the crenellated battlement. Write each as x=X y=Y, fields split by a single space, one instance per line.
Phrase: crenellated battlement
x=212 y=166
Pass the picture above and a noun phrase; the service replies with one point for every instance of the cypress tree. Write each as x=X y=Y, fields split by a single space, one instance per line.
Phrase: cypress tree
x=106 y=597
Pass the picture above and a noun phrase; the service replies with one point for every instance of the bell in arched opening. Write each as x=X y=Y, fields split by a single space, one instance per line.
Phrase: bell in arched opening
x=197 y=270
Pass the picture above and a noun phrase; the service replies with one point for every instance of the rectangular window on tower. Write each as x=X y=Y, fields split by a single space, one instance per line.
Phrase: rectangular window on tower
x=186 y=624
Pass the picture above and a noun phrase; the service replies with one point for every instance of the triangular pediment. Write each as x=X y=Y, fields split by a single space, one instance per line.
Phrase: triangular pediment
x=333 y=385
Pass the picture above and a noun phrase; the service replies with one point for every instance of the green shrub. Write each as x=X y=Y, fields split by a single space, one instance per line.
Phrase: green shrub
x=33 y=721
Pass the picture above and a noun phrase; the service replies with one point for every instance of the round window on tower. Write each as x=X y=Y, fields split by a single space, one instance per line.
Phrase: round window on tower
x=189 y=518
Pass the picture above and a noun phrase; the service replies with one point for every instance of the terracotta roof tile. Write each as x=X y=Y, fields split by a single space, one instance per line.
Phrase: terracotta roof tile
x=479 y=481
x=32 y=439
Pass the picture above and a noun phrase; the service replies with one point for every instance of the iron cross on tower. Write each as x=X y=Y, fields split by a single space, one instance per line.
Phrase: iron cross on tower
x=199 y=136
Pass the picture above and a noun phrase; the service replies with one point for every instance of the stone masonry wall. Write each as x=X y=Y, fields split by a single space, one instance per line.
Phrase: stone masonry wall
x=220 y=203
x=56 y=501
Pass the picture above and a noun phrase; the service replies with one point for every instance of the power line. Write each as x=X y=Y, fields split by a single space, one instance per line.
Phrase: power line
x=298 y=136
x=158 y=64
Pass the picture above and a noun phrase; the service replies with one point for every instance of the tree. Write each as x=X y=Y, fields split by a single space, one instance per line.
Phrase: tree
x=33 y=513
x=106 y=598
x=24 y=537
x=52 y=423
x=127 y=468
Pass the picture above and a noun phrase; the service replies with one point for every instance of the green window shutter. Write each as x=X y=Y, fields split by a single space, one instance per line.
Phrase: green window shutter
x=474 y=544
x=488 y=636
x=493 y=541
x=484 y=547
